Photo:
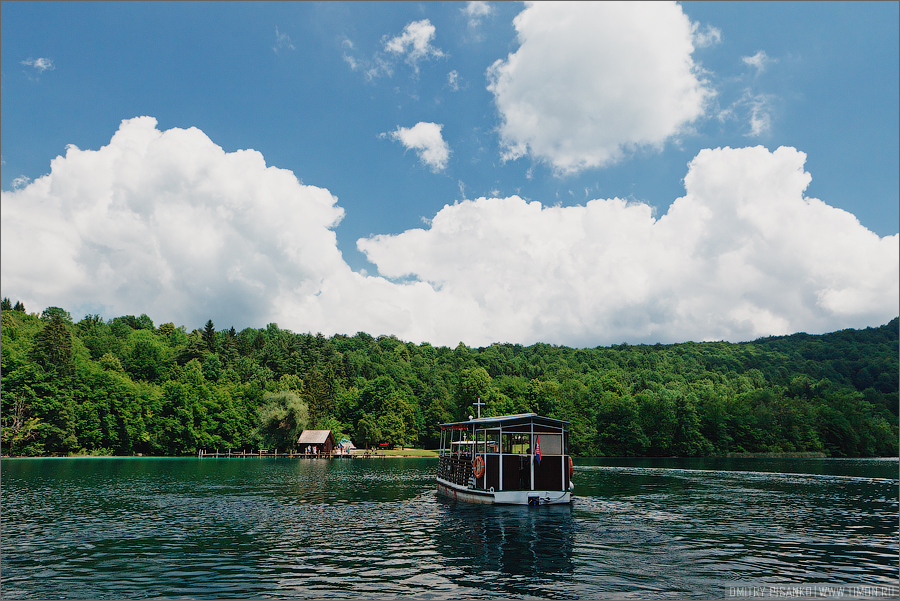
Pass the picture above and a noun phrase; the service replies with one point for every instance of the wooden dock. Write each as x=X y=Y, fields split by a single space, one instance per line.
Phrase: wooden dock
x=244 y=454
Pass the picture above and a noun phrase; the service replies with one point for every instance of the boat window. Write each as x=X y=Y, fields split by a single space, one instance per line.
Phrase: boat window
x=488 y=441
x=463 y=447
x=515 y=443
x=551 y=444
x=492 y=441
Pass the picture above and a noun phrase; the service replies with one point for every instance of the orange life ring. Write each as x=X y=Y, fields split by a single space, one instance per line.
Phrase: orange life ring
x=478 y=466
x=571 y=468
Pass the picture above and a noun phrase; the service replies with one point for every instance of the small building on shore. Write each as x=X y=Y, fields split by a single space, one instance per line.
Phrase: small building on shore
x=320 y=440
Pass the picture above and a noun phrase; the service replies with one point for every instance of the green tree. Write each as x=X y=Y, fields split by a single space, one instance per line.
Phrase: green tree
x=281 y=419
x=618 y=426
x=147 y=357
x=229 y=348
x=375 y=394
x=290 y=382
x=49 y=312
x=544 y=396
x=53 y=346
x=319 y=391
x=403 y=430
x=195 y=349
x=271 y=356
x=110 y=362
x=657 y=411
x=188 y=413
x=687 y=441
x=212 y=368
x=438 y=412
x=338 y=430
x=473 y=384
x=368 y=431
x=885 y=437
x=837 y=433
x=19 y=427
x=209 y=336
x=393 y=430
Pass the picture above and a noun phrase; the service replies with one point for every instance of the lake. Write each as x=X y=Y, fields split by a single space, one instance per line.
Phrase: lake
x=130 y=528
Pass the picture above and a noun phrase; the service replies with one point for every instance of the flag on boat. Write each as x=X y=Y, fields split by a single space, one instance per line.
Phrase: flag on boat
x=537 y=448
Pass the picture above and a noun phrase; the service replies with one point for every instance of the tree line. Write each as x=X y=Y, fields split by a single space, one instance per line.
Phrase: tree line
x=126 y=386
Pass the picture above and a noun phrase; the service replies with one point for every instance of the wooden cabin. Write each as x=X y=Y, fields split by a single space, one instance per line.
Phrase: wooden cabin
x=321 y=440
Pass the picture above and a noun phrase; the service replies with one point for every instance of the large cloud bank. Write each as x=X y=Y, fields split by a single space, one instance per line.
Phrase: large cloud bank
x=168 y=224
x=593 y=80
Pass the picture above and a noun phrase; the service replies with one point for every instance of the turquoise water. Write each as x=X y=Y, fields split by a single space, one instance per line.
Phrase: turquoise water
x=129 y=528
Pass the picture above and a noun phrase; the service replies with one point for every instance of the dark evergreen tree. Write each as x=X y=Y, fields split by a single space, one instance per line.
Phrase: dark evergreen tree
x=53 y=346
x=209 y=336
x=194 y=349
x=228 y=352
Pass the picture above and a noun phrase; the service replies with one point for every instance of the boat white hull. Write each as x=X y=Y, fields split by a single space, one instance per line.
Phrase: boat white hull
x=502 y=497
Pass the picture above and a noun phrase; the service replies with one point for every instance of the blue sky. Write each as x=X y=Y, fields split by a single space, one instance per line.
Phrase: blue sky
x=407 y=114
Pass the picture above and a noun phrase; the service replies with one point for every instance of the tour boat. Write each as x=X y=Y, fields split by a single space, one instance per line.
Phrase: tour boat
x=509 y=459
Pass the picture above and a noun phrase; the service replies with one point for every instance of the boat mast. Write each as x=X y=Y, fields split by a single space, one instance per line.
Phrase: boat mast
x=478 y=405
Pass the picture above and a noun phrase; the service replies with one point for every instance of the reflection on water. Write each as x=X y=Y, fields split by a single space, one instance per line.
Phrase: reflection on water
x=256 y=528
x=523 y=549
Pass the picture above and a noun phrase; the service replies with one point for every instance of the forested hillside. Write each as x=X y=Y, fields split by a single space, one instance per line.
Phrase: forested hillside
x=127 y=386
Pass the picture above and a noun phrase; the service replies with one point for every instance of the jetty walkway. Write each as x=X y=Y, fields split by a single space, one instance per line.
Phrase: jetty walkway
x=229 y=454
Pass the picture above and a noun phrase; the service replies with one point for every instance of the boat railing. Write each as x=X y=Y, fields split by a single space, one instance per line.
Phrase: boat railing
x=455 y=468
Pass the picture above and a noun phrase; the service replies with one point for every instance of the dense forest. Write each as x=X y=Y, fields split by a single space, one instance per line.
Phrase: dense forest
x=126 y=386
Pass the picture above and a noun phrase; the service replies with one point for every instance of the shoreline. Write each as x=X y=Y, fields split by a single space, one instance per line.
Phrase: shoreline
x=434 y=455
x=777 y=455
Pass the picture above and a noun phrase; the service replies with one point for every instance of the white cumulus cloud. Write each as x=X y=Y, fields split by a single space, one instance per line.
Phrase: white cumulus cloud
x=453 y=80
x=476 y=11
x=168 y=224
x=427 y=141
x=708 y=36
x=412 y=46
x=758 y=61
x=756 y=109
x=593 y=80
x=282 y=40
x=414 y=43
x=41 y=64
x=20 y=182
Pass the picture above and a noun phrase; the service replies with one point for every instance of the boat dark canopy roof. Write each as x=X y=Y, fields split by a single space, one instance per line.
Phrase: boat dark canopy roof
x=508 y=420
